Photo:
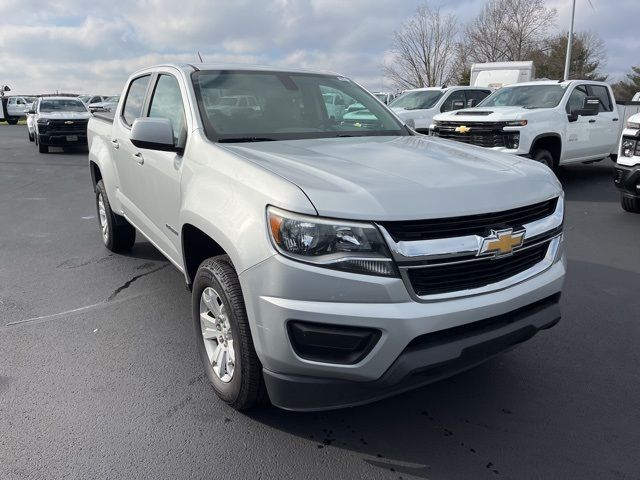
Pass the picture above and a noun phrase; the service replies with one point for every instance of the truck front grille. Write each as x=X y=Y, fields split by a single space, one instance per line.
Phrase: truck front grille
x=78 y=126
x=482 y=134
x=474 y=274
x=468 y=225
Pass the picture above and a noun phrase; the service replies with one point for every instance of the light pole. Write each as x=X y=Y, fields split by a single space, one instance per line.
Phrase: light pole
x=567 y=62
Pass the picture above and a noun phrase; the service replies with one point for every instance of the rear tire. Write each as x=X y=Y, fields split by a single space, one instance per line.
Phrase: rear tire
x=223 y=334
x=544 y=156
x=630 y=204
x=118 y=235
x=12 y=121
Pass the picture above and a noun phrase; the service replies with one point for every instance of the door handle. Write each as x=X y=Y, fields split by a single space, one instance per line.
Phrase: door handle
x=115 y=144
x=615 y=119
x=592 y=121
x=139 y=158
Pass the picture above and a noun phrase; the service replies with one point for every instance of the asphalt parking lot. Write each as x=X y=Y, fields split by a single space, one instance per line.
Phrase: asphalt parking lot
x=100 y=378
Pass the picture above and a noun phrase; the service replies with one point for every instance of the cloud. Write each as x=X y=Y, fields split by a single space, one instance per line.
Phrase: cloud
x=93 y=46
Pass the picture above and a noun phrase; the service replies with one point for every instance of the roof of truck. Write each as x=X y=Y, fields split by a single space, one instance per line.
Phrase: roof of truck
x=565 y=83
x=190 y=67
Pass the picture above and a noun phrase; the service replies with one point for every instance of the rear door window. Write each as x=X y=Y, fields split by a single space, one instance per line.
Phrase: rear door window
x=602 y=93
x=134 y=100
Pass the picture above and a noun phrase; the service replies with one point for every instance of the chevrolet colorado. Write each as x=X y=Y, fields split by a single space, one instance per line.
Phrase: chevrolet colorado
x=330 y=263
x=555 y=123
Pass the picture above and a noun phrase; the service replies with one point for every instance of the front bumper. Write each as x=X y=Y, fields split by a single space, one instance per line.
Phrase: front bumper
x=62 y=139
x=627 y=180
x=306 y=293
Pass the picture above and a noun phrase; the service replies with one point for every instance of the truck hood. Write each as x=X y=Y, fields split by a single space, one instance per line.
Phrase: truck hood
x=64 y=115
x=394 y=178
x=405 y=114
x=486 y=114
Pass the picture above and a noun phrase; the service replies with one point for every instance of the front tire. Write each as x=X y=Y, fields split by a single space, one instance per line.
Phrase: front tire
x=544 y=156
x=31 y=139
x=118 y=235
x=630 y=204
x=223 y=335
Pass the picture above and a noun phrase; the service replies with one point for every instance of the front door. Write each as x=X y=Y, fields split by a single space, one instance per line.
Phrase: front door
x=162 y=170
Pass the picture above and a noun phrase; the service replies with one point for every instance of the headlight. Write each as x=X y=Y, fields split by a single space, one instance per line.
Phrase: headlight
x=628 y=147
x=633 y=125
x=348 y=246
x=516 y=123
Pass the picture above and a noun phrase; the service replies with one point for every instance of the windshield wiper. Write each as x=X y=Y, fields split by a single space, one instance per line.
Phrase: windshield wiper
x=246 y=139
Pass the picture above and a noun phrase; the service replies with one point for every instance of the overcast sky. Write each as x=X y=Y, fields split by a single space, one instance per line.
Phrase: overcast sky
x=91 y=46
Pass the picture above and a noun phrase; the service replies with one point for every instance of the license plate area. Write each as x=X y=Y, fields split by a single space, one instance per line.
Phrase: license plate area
x=72 y=138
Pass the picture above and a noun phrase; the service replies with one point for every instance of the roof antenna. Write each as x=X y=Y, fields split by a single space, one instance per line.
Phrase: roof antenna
x=200 y=57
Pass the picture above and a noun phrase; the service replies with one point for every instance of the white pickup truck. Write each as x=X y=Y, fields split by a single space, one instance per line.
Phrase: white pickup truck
x=420 y=105
x=555 y=123
x=627 y=174
x=331 y=263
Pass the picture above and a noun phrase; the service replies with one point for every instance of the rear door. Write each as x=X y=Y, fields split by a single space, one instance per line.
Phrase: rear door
x=578 y=144
x=605 y=128
x=129 y=167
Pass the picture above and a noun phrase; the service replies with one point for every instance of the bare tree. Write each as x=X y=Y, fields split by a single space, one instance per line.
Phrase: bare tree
x=424 y=50
x=508 y=30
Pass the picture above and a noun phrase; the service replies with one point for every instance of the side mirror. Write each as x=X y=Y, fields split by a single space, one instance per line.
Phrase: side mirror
x=153 y=134
x=471 y=102
x=6 y=89
x=411 y=123
x=457 y=105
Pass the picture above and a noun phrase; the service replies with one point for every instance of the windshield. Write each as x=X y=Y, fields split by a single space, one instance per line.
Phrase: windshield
x=422 y=99
x=62 y=105
x=526 y=96
x=84 y=98
x=113 y=99
x=258 y=106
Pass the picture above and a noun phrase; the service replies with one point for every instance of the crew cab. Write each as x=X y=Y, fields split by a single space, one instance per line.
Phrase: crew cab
x=16 y=107
x=555 y=123
x=420 y=105
x=60 y=122
x=627 y=171
x=330 y=264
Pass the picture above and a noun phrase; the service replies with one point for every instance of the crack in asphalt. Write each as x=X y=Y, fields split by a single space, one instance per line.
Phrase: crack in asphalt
x=128 y=283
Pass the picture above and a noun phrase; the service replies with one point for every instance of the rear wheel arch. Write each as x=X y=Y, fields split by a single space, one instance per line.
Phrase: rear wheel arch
x=96 y=173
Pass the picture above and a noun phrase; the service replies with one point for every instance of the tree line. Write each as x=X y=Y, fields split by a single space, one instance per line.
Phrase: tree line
x=433 y=48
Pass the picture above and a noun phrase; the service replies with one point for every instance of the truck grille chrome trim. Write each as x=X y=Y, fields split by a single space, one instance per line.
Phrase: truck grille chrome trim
x=444 y=268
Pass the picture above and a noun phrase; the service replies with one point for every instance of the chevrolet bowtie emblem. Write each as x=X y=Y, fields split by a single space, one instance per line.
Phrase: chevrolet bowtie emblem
x=501 y=242
x=463 y=129
x=69 y=122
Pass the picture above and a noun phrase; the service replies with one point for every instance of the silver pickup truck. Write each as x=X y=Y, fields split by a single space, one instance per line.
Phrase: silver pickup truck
x=331 y=263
